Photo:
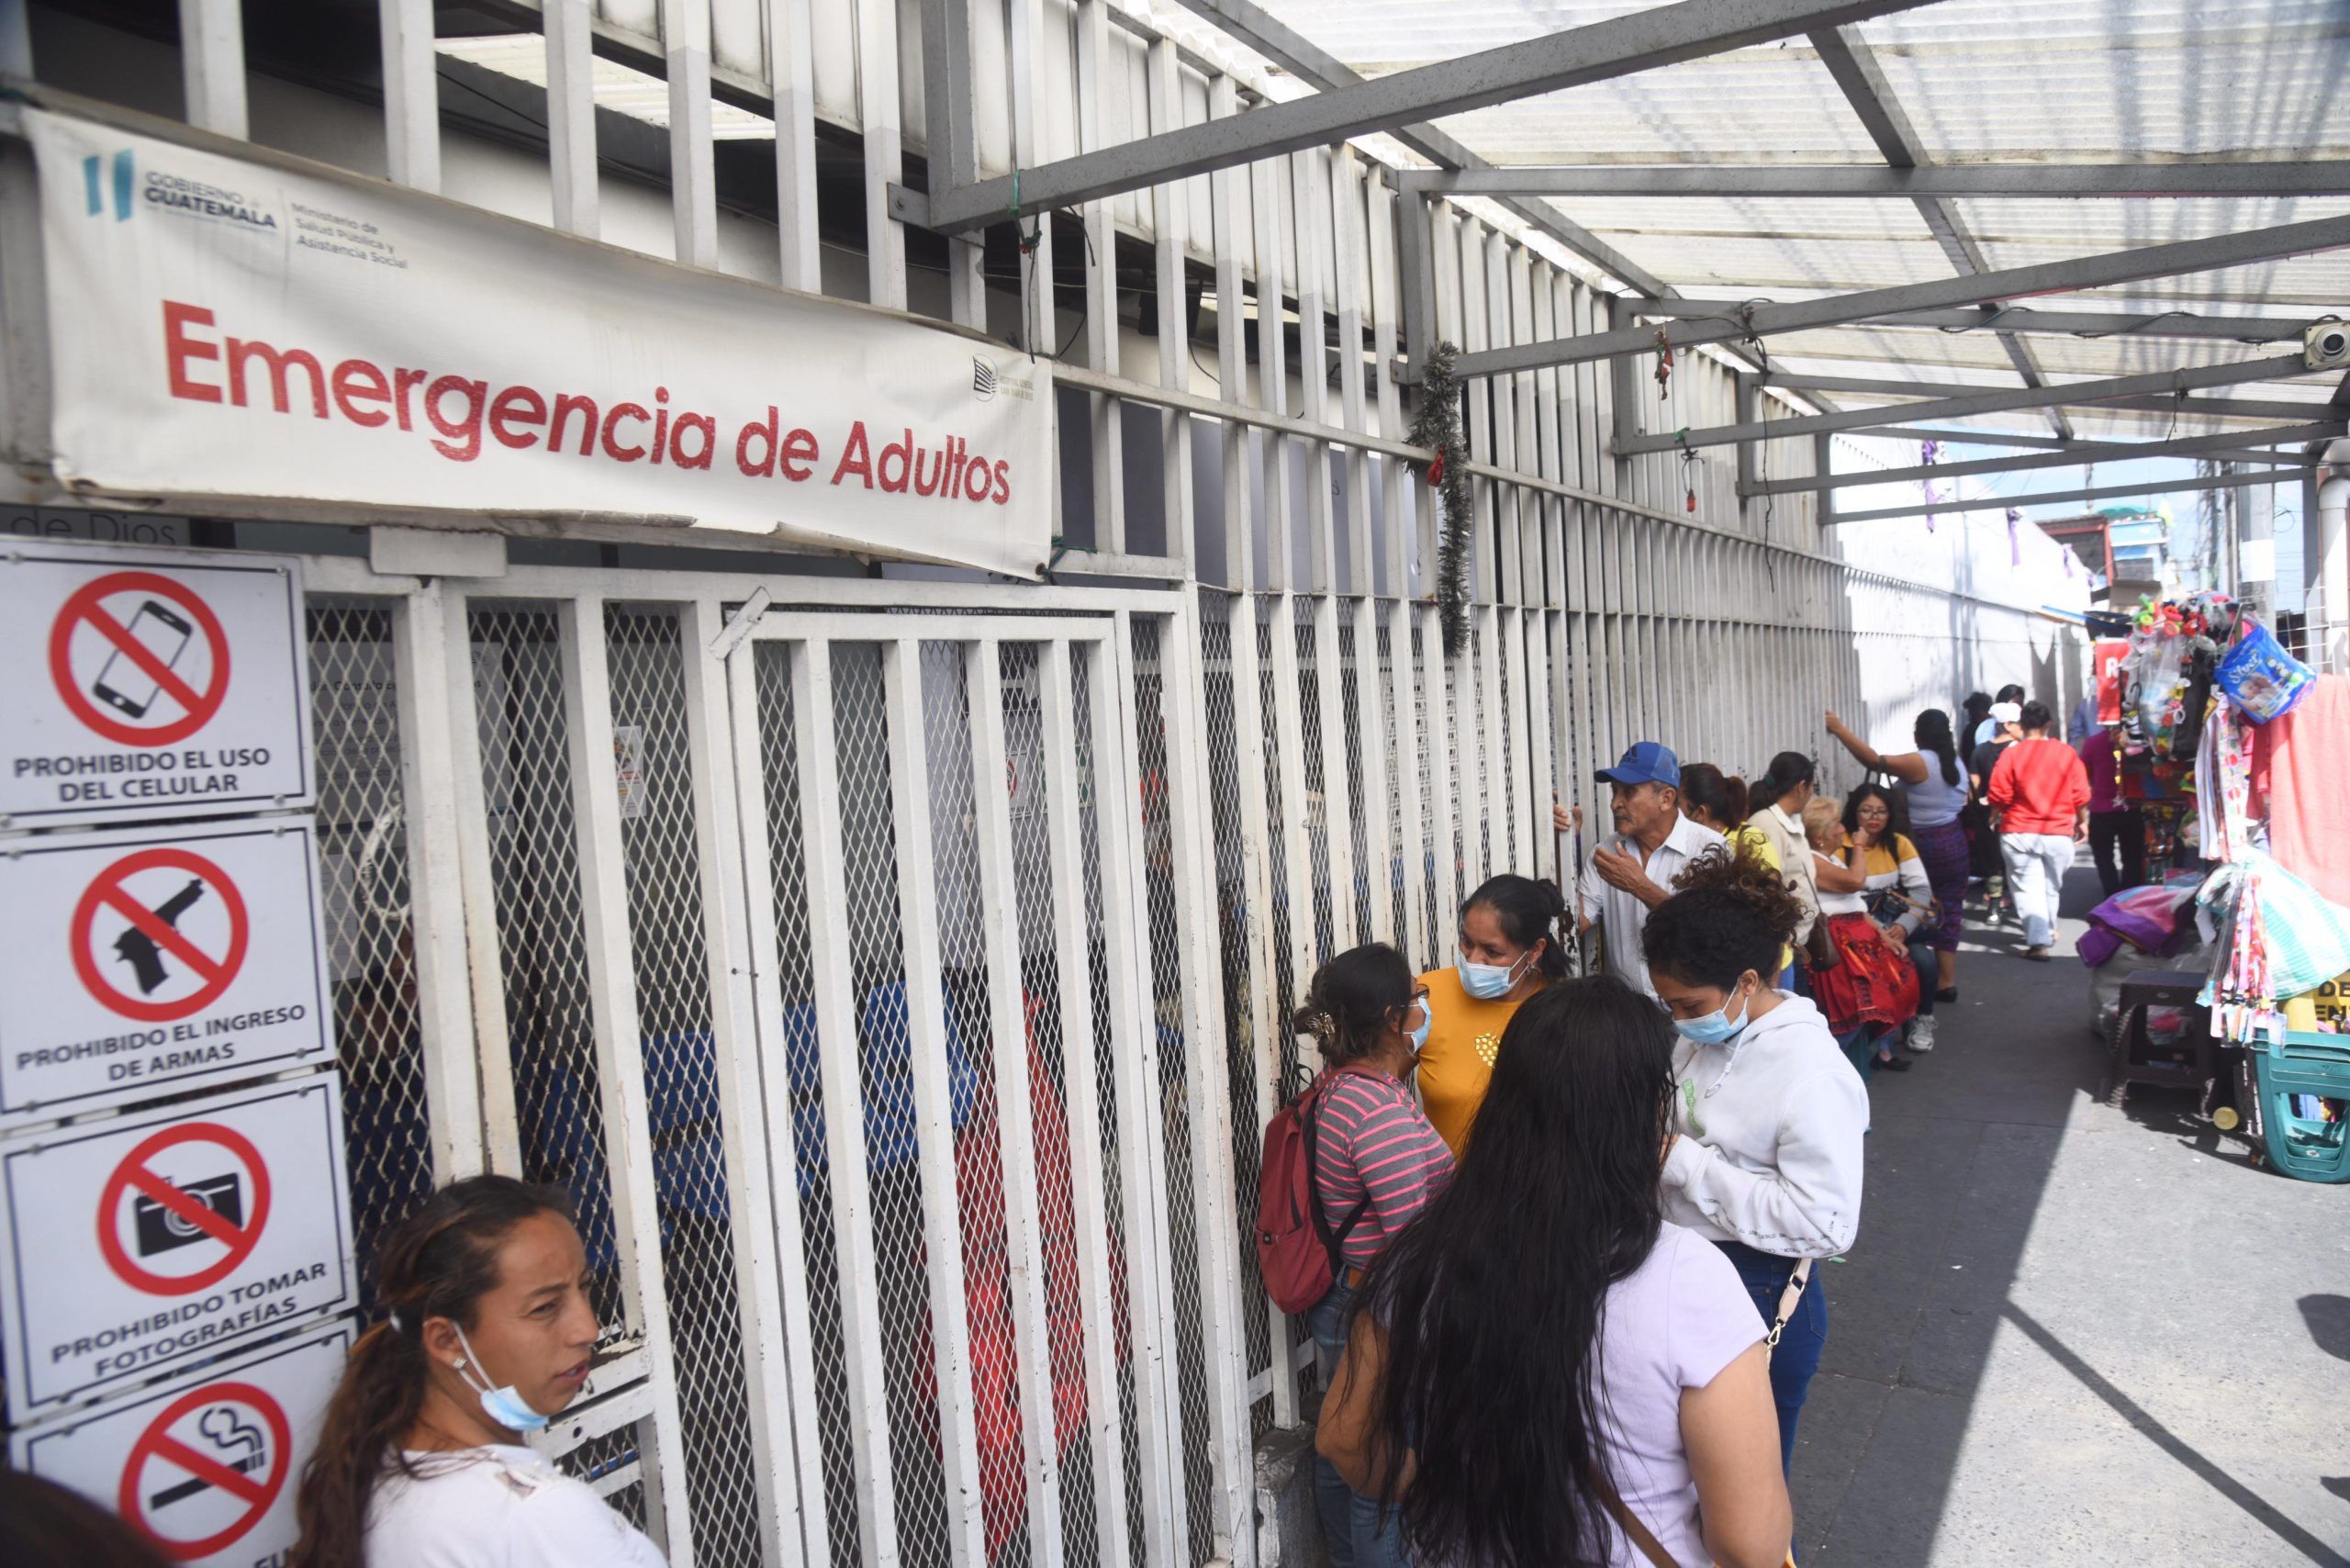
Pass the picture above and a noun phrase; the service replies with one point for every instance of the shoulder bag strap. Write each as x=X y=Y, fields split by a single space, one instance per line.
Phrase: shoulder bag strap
x=1334 y=1241
x=1638 y=1534
x=1789 y=1299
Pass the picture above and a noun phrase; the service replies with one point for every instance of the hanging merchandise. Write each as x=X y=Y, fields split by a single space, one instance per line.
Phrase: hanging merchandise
x=2263 y=678
x=2279 y=940
x=2301 y=782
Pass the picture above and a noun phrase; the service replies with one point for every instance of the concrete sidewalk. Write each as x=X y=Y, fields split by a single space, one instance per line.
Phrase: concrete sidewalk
x=2069 y=1335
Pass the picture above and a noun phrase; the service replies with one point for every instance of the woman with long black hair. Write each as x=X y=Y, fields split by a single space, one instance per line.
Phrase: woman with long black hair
x=1545 y=1370
x=1932 y=782
x=1765 y=1162
x=489 y=1333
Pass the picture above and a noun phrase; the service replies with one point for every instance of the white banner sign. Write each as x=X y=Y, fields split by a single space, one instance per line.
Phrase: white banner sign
x=146 y=683
x=132 y=1247
x=206 y=1466
x=152 y=961
x=219 y=328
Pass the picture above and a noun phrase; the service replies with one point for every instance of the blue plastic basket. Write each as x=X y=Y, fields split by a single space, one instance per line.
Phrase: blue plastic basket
x=2310 y=1148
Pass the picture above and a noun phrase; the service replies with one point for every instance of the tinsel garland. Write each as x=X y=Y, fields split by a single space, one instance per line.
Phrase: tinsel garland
x=1438 y=427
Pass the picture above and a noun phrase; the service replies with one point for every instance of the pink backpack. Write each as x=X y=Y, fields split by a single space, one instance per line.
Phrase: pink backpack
x=1297 y=1253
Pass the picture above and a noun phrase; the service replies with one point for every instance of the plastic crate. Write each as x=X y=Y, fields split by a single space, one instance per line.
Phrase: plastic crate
x=2310 y=1148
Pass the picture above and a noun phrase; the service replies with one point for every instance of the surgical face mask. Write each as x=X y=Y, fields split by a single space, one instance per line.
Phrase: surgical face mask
x=1419 y=1036
x=1715 y=1028
x=1491 y=982
x=504 y=1406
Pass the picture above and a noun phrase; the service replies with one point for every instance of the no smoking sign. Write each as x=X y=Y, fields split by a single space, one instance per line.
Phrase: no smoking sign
x=145 y=961
x=149 y=683
x=136 y=1245
x=203 y=1467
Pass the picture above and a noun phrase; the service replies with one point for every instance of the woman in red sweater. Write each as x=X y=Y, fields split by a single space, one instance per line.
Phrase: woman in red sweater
x=2039 y=803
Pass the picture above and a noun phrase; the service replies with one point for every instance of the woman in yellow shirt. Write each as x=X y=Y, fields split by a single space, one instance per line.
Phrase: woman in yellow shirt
x=1713 y=799
x=1509 y=951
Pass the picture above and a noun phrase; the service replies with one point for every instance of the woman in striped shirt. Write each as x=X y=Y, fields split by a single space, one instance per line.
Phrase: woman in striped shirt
x=1377 y=1162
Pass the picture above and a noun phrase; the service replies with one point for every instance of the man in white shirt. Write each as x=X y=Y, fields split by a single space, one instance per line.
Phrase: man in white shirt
x=1632 y=870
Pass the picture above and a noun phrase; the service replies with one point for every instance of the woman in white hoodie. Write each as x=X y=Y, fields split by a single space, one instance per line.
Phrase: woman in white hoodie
x=1765 y=1160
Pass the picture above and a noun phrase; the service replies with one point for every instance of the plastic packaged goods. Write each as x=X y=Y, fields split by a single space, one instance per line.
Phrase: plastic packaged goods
x=2260 y=677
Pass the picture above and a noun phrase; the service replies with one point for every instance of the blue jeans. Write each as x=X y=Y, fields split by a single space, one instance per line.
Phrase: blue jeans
x=1928 y=968
x=1352 y=1525
x=1805 y=1335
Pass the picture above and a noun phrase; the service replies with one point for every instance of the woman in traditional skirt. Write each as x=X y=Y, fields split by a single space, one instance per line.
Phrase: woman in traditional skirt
x=1873 y=992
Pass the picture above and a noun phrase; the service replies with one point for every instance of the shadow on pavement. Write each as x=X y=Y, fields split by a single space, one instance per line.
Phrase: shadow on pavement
x=2129 y=1412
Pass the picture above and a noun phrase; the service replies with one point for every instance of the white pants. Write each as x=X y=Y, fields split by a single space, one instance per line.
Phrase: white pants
x=2036 y=866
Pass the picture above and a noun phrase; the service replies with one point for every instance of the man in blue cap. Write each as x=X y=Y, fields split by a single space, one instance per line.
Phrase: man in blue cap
x=1633 y=868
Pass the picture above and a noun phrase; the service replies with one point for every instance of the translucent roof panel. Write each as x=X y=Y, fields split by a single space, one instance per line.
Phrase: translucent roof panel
x=2013 y=83
x=1987 y=80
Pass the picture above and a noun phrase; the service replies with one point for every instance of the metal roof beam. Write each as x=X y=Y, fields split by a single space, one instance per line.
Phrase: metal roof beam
x=2045 y=277
x=1620 y=46
x=1848 y=181
x=2102 y=492
x=1309 y=63
x=1853 y=64
x=2203 y=406
x=2086 y=452
x=2163 y=387
x=2024 y=318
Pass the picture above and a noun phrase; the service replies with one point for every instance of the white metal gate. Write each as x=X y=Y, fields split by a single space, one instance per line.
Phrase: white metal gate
x=639 y=888
x=949 y=933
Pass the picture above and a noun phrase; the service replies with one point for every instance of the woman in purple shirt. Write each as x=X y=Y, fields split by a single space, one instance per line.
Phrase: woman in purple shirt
x=1547 y=1371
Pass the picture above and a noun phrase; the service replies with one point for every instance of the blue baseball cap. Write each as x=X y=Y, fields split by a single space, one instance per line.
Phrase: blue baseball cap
x=1646 y=763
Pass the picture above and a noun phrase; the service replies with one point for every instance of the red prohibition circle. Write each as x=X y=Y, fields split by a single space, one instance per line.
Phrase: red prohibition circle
x=240 y=1240
x=106 y=889
x=157 y=1443
x=88 y=605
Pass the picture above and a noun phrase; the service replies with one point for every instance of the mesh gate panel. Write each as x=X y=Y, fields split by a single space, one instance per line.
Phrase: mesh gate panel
x=1236 y=916
x=795 y=976
x=371 y=952
x=543 y=953
x=1174 y=1065
x=1473 y=795
x=1317 y=790
x=1396 y=874
x=1082 y=660
x=600 y=1462
x=668 y=945
x=1036 y=888
x=1508 y=762
x=1288 y=986
x=870 y=854
x=979 y=1153
x=1436 y=838
x=1349 y=696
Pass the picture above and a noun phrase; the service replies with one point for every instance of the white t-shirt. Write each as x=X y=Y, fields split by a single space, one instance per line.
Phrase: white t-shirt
x=497 y=1508
x=1673 y=1323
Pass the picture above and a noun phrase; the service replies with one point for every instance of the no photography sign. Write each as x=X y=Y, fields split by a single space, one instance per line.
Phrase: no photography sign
x=154 y=1241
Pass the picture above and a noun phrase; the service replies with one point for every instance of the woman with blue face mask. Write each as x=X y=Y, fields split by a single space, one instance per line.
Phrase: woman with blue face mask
x=1765 y=1159
x=489 y=1333
x=1509 y=951
x=1377 y=1163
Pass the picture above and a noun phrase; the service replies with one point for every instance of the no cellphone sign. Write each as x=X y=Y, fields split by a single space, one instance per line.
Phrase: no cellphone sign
x=145 y=961
x=144 y=683
x=203 y=1467
x=153 y=1241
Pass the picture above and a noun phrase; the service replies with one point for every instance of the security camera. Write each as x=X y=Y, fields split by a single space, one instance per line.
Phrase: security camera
x=2326 y=346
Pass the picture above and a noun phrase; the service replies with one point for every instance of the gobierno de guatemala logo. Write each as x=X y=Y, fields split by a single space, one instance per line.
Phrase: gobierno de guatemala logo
x=114 y=180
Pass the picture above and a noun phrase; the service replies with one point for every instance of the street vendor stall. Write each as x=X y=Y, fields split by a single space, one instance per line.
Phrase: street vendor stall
x=2238 y=755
